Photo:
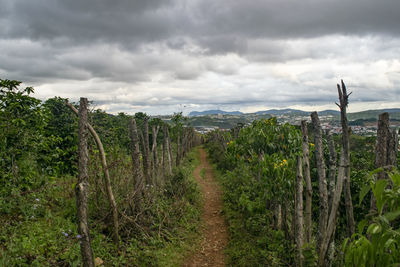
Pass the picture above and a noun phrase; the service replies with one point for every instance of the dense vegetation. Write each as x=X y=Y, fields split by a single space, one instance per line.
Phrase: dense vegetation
x=257 y=167
x=262 y=168
x=255 y=184
x=38 y=170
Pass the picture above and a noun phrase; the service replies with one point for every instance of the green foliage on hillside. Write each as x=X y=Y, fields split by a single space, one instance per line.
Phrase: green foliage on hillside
x=22 y=122
x=253 y=185
x=42 y=228
x=257 y=171
x=38 y=169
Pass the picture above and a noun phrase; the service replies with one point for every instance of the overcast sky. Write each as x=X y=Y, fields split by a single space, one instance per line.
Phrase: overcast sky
x=167 y=56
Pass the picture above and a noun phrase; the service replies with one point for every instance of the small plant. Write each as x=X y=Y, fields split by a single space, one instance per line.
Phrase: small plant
x=379 y=244
x=203 y=173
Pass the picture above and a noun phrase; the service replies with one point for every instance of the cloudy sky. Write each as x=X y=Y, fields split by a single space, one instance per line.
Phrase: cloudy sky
x=182 y=55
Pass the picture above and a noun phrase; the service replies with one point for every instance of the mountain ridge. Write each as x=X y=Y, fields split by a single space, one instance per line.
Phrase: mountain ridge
x=288 y=111
x=214 y=112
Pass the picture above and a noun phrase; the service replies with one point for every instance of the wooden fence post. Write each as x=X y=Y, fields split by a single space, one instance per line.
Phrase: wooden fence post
x=307 y=177
x=82 y=187
x=299 y=212
x=146 y=151
x=137 y=167
x=321 y=168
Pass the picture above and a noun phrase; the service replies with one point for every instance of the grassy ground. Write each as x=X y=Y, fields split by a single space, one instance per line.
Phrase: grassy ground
x=39 y=227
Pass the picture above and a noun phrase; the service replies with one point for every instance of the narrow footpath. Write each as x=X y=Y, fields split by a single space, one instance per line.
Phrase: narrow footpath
x=214 y=237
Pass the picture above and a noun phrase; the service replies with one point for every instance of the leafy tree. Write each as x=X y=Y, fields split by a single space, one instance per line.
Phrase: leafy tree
x=22 y=122
x=178 y=120
x=58 y=150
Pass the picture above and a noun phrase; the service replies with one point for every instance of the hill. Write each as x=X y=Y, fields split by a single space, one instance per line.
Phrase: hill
x=213 y=112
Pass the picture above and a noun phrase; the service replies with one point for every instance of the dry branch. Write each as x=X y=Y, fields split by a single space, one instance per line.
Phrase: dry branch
x=107 y=179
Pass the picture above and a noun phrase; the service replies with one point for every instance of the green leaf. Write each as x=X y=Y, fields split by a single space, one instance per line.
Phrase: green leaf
x=390 y=216
x=389 y=242
x=395 y=178
x=364 y=191
x=374 y=228
x=345 y=242
x=378 y=188
x=378 y=170
x=361 y=226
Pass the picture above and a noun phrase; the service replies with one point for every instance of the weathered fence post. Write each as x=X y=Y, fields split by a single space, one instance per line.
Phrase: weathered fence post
x=342 y=177
x=307 y=177
x=331 y=188
x=385 y=151
x=344 y=101
x=167 y=149
x=146 y=150
x=321 y=168
x=299 y=236
x=137 y=168
x=178 y=149
x=82 y=187
x=154 y=151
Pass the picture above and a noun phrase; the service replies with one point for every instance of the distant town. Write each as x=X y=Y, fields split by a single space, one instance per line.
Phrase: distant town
x=362 y=123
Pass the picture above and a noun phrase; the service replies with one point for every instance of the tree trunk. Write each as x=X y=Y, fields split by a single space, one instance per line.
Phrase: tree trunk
x=331 y=227
x=167 y=147
x=332 y=168
x=178 y=150
x=381 y=143
x=164 y=154
x=323 y=193
x=344 y=101
x=299 y=211
x=136 y=165
x=331 y=192
x=343 y=175
x=154 y=151
x=82 y=187
x=393 y=144
x=385 y=151
x=307 y=177
x=107 y=179
x=146 y=150
x=185 y=142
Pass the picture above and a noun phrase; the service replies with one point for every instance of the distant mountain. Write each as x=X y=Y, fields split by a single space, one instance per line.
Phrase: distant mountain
x=283 y=112
x=328 y=112
x=367 y=114
x=214 y=112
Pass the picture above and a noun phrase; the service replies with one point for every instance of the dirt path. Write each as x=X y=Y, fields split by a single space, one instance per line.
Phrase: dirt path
x=214 y=234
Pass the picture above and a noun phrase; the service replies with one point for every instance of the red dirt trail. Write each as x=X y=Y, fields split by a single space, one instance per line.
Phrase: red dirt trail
x=214 y=237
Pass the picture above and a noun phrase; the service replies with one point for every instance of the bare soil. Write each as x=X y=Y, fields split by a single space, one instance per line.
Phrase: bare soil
x=214 y=236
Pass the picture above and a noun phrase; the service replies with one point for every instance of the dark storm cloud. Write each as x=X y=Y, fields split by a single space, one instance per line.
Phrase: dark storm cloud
x=203 y=52
x=231 y=20
x=125 y=22
x=220 y=26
